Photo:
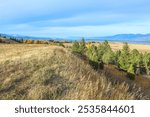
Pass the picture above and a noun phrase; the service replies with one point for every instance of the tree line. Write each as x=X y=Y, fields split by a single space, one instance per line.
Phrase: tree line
x=131 y=61
x=30 y=41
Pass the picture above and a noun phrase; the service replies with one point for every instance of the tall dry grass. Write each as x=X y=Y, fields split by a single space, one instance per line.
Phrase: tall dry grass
x=49 y=72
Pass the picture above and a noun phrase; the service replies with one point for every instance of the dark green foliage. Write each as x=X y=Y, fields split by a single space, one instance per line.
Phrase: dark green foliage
x=79 y=47
x=105 y=53
x=108 y=57
x=61 y=44
x=76 y=47
x=146 y=62
x=116 y=57
x=136 y=61
x=101 y=54
x=131 y=72
x=103 y=48
x=135 y=57
x=92 y=53
x=1 y=40
x=131 y=76
x=94 y=64
x=131 y=69
x=17 y=40
x=126 y=48
x=123 y=60
x=133 y=62
x=82 y=42
x=129 y=61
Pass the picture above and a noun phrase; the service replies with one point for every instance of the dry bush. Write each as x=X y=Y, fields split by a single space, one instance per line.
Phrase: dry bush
x=1 y=40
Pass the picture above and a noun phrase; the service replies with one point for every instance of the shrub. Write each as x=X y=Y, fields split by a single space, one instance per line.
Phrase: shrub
x=123 y=60
x=1 y=40
x=36 y=42
x=136 y=60
x=108 y=57
x=78 y=47
x=61 y=44
x=29 y=41
x=146 y=60
x=105 y=53
x=92 y=53
x=16 y=40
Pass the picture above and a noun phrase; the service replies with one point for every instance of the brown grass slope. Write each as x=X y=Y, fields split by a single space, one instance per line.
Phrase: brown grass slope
x=49 y=72
x=8 y=41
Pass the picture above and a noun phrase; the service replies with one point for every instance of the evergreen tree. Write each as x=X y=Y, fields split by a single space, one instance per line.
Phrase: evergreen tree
x=103 y=48
x=146 y=60
x=108 y=57
x=123 y=61
x=136 y=60
x=1 y=40
x=79 y=47
x=82 y=42
x=131 y=69
x=92 y=53
x=116 y=57
x=126 y=49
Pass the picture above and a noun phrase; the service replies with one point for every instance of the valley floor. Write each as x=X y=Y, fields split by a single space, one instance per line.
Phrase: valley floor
x=118 y=46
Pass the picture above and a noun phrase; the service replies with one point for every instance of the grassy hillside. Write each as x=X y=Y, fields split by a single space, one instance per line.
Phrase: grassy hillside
x=8 y=41
x=50 y=72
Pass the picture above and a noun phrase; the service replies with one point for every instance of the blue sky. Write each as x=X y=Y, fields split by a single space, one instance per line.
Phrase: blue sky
x=64 y=18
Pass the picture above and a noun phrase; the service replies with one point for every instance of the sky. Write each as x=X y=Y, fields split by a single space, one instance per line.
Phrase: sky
x=69 y=18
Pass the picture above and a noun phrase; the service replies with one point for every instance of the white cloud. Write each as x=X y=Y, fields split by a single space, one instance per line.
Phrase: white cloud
x=74 y=17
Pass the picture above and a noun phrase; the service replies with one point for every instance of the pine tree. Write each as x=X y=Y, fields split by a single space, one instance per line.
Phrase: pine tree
x=108 y=57
x=103 y=48
x=131 y=69
x=136 y=60
x=123 y=61
x=92 y=53
x=82 y=42
x=126 y=49
x=79 y=47
x=146 y=60
x=116 y=57
x=130 y=72
x=1 y=40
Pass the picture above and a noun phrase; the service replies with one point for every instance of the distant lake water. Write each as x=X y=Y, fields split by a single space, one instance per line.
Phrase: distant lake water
x=131 y=41
x=145 y=42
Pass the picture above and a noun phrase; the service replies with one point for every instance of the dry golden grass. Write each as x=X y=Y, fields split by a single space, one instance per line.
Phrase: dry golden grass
x=118 y=46
x=49 y=72
x=140 y=47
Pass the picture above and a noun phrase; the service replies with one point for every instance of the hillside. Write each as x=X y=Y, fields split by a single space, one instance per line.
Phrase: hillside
x=8 y=41
x=52 y=72
x=24 y=37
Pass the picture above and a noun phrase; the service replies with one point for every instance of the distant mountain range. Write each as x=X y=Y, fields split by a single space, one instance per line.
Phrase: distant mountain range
x=24 y=37
x=130 y=38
